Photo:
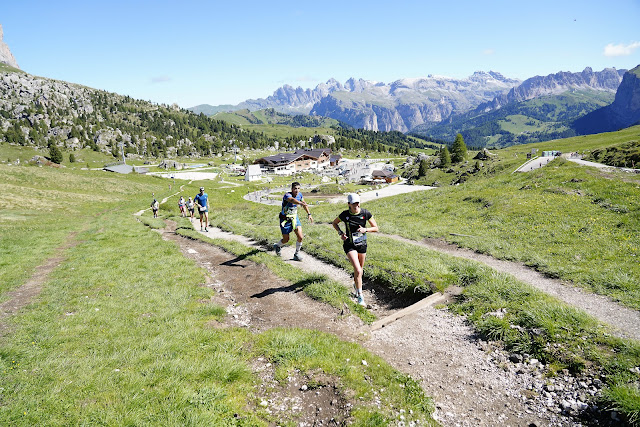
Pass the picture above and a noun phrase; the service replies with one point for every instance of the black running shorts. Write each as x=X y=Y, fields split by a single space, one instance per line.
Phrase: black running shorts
x=348 y=247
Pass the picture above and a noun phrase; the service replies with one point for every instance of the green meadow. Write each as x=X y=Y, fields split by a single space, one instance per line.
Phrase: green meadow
x=119 y=333
x=574 y=223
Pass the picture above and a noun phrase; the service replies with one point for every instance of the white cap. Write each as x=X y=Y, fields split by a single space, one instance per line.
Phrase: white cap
x=353 y=198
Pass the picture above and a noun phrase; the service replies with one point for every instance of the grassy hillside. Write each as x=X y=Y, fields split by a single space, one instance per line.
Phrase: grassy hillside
x=622 y=155
x=270 y=116
x=571 y=222
x=538 y=119
x=119 y=333
x=4 y=68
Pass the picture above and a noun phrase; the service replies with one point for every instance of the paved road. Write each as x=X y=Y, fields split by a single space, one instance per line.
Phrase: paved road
x=535 y=163
x=390 y=190
x=600 y=165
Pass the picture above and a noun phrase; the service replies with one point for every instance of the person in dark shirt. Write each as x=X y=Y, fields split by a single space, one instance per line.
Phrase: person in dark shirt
x=355 y=238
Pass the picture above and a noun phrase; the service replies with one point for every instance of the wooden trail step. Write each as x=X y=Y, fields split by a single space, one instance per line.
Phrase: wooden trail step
x=426 y=302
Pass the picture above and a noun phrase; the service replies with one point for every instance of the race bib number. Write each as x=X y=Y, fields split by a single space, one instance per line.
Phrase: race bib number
x=359 y=239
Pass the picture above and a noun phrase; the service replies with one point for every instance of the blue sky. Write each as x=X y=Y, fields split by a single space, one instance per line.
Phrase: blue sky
x=211 y=52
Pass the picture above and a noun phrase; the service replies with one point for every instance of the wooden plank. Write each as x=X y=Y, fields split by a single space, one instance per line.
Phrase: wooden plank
x=426 y=302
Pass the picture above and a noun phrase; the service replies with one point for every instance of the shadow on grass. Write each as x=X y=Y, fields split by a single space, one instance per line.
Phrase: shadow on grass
x=294 y=287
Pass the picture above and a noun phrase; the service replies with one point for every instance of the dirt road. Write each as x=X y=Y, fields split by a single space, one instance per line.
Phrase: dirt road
x=473 y=382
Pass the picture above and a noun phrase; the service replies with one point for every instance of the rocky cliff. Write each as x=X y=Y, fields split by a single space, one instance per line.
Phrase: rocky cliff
x=407 y=103
x=290 y=100
x=553 y=84
x=6 y=57
x=623 y=112
x=400 y=105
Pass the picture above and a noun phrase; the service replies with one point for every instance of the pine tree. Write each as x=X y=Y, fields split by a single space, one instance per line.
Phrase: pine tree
x=72 y=158
x=458 y=150
x=55 y=154
x=423 y=169
x=445 y=158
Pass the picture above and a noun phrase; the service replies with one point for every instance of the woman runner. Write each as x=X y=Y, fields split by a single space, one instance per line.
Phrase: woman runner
x=355 y=238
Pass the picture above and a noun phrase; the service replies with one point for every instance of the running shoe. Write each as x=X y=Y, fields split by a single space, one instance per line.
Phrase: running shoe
x=201 y=229
x=206 y=229
x=361 y=300
x=297 y=257
x=277 y=249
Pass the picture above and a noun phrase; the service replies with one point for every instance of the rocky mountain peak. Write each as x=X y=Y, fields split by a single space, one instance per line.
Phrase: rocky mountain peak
x=623 y=112
x=6 y=56
x=360 y=85
x=553 y=84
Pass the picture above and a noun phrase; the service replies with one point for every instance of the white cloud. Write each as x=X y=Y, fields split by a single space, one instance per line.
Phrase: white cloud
x=160 y=79
x=620 y=49
x=488 y=52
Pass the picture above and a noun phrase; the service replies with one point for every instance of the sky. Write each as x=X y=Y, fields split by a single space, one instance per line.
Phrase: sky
x=214 y=52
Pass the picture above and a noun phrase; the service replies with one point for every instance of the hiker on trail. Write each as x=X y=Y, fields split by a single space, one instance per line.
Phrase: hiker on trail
x=289 y=220
x=191 y=206
x=355 y=238
x=155 y=206
x=202 y=202
x=183 y=210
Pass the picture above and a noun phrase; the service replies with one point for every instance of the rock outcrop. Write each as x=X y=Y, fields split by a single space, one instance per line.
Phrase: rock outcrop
x=622 y=113
x=6 y=57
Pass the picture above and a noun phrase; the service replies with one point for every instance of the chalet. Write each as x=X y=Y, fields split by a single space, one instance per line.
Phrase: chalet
x=301 y=160
x=384 y=175
x=335 y=159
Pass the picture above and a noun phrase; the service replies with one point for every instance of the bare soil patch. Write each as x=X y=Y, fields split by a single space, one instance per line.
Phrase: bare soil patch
x=258 y=299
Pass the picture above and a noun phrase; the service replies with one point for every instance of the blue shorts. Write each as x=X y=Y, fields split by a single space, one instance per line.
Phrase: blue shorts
x=288 y=226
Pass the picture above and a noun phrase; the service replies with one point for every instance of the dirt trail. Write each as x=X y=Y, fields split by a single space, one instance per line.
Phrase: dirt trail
x=624 y=321
x=24 y=294
x=465 y=376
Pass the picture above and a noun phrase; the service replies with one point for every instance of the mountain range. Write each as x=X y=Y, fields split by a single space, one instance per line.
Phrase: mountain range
x=623 y=112
x=418 y=104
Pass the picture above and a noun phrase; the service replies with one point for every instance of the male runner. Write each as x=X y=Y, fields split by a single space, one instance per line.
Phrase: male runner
x=289 y=220
x=202 y=203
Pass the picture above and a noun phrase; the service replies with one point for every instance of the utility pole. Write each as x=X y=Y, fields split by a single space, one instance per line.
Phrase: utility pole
x=124 y=160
